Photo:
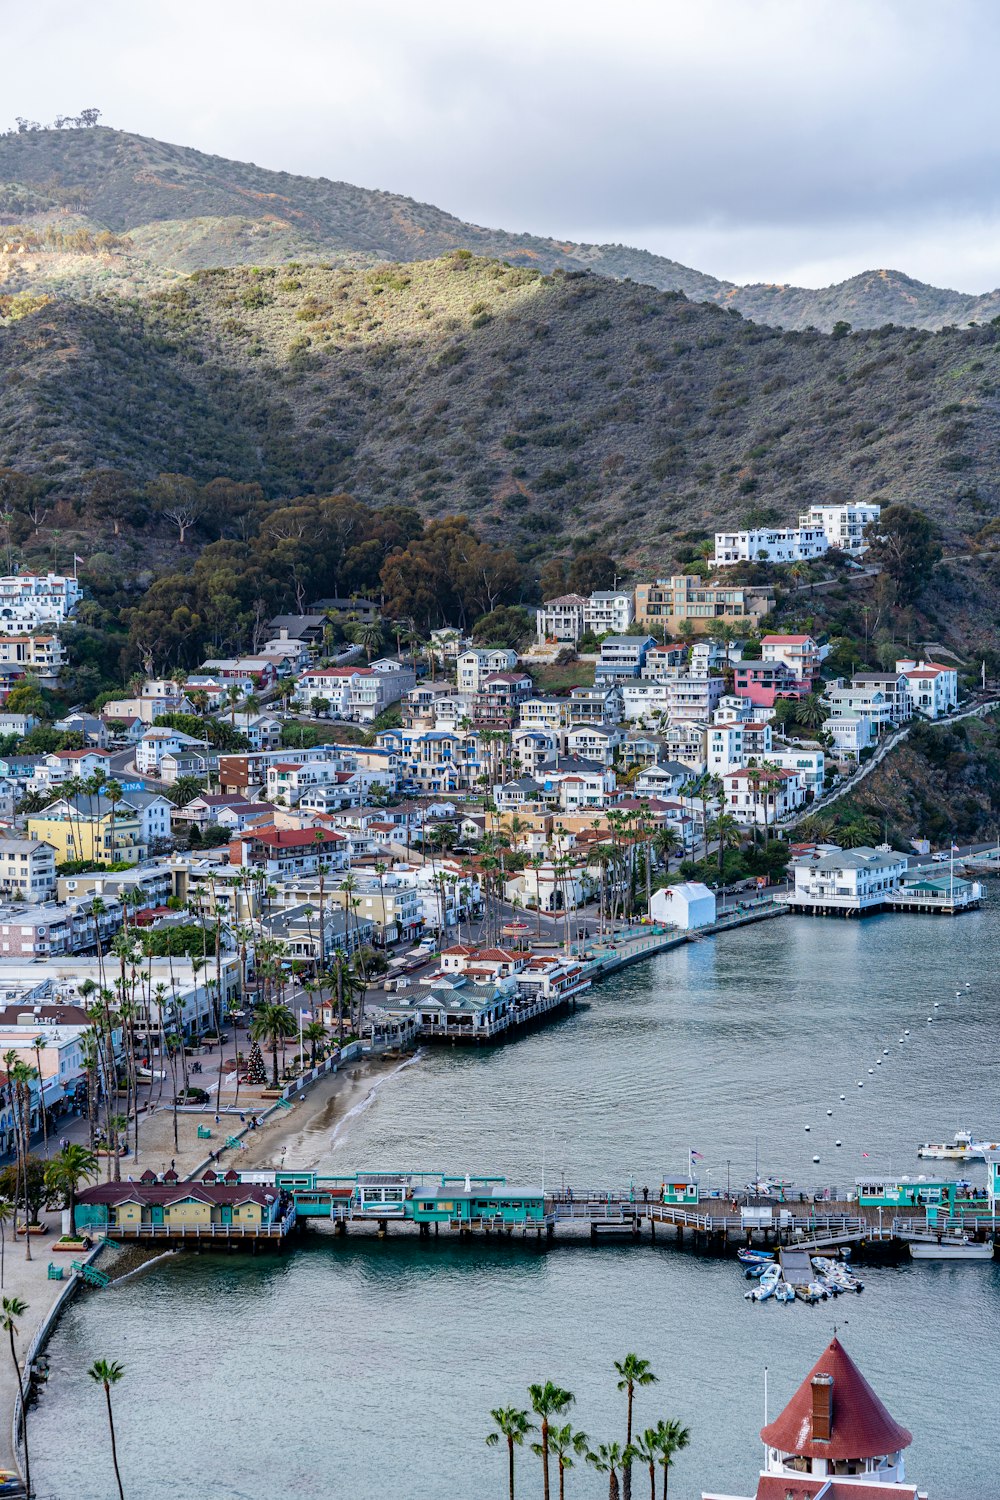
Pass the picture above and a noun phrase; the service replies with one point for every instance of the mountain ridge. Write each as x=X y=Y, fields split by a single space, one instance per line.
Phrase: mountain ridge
x=181 y=210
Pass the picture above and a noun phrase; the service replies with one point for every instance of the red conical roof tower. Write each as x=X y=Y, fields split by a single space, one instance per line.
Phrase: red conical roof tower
x=836 y=1415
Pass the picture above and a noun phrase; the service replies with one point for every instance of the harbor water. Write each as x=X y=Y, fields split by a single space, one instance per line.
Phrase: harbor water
x=312 y=1372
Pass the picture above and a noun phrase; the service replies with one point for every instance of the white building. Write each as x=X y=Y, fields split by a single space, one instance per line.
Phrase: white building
x=561 y=619
x=843 y=525
x=850 y=733
x=931 y=689
x=693 y=697
x=158 y=742
x=758 y=794
x=689 y=904
x=786 y=544
x=851 y=881
x=30 y=600
x=27 y=869
x=480 y=662
x=728 y=747
x=809 y=762
x=609 y=612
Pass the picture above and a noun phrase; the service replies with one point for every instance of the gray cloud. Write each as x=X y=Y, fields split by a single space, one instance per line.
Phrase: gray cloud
x=759 y=139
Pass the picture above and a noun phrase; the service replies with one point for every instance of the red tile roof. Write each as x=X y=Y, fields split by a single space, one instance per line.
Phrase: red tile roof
x=861 y=1426
x=784 y=640
x=294 y=838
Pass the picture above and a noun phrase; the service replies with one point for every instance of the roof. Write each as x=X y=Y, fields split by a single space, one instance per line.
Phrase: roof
x=176 y=1192
x=861 y=1425
x=785 y=640
x=854 y=859
x=294 y=838
x=576 y=601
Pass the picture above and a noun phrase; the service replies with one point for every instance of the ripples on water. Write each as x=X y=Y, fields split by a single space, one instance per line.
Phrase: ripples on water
x=384 y=1358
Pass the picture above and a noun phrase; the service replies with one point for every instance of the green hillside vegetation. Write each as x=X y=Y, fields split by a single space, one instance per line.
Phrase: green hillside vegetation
x=547 y=408
x=171 y=209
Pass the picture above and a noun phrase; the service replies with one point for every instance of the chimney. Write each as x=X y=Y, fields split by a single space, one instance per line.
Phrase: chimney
x=822 y=1408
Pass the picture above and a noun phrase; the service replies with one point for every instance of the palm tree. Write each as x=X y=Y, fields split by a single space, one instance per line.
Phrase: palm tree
x=108 y=1373
x=6 y=1215
x=65 y=1172
x=858 y=832
x=513 y=1426
x=315 y=1035
x=632 y=1371
x=39 y=1044
x=371 y=638
x=608 y=1459
x=274 y=1023
x=725 y=828
x=811 y=711
x=548 y=1400
x=564 y=1443
x=671 y=1436
x=12 y=1308
x=666 y=842
x=644 y=1450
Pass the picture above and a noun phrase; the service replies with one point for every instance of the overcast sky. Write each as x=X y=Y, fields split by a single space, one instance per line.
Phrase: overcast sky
x=760 y=140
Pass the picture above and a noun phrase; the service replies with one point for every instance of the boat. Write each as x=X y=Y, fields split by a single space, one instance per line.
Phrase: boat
x=768 y=1284
x=756 y=1257
x=835 y=1274
x=957 y=1248
x=784 y=1293
x=965 y=1147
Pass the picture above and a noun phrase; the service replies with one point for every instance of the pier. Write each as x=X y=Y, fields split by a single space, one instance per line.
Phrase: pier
x=428 y=1203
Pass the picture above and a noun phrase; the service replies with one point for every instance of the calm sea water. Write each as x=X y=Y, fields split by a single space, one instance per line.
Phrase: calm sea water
x=353 y=1364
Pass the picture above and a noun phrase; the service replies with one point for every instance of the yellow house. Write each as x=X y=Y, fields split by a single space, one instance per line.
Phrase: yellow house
x=90 y=828
x=167 y=1207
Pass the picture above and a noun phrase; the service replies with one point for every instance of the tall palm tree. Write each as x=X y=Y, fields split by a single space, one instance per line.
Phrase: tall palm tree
x=565 y=1443
x=13 y=1308
x=513 y=1426
x=671 y=1437
x=632 y=1372
x=548 y=1400
x=371 y=638
x=39 y=1044
x=6 y=1215
x=273 y=1023
x=644 y=1450
x=108 y=1373
x=726 y=830
x=608 y=1459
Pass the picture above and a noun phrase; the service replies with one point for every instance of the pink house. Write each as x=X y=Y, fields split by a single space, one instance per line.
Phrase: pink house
x=763 y=682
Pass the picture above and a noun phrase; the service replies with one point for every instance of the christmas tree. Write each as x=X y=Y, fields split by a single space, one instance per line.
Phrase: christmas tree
x=256 y=1072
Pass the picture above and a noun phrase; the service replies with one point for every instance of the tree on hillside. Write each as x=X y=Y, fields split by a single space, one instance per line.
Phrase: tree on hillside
x=904 y=544
x=178 y=500
x=590 y=571
x=507 y=626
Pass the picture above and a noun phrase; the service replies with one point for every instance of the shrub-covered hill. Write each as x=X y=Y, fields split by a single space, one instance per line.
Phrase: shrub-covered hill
x=106 y=209
x=550 y=407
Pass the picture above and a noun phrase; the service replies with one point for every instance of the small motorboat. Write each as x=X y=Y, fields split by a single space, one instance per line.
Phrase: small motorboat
x=784 y=1293
x=756 y=1257
x=768 y=1284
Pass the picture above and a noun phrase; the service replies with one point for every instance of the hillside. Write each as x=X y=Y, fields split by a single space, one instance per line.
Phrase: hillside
x=940 y=783
x=171 y=209
x=546 y=407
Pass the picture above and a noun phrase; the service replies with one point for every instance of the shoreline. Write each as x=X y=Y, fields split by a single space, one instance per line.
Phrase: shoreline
x=294 y=1138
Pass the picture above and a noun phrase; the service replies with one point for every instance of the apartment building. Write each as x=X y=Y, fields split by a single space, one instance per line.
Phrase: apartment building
x=42 y=655
x=27 y=869
x=843 y=525
x=622 y=657
x=759 y=794
x=692 y=697
x=666 y=603
x=782 y=544
x=609 y=612
x=90 y=828
x=560 y=621
x=480 y=662
x=29 y=601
